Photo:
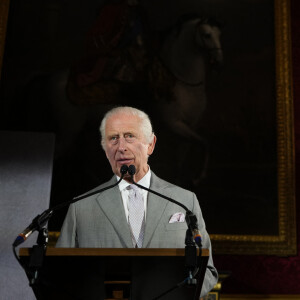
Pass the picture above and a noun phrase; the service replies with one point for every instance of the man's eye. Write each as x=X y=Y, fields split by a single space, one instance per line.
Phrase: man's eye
x=113 y=139
x=129 y=138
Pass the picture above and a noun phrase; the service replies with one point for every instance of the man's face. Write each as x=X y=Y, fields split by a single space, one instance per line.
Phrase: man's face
x=125 y=144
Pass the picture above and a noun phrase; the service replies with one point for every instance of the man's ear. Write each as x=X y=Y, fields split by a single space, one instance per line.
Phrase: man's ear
x=151 y=146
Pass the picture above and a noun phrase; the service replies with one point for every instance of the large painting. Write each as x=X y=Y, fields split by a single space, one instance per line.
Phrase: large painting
x=214 y=76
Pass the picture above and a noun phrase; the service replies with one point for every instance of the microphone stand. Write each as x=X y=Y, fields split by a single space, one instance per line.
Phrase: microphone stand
x=192 y=238
x=38 y=251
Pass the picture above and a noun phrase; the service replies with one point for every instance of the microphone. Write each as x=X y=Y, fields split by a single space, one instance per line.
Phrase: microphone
x=40 y=220
x=123 y=170
x=191 y=219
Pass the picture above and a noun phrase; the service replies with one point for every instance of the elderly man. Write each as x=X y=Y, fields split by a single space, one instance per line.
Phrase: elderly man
x=112 y=219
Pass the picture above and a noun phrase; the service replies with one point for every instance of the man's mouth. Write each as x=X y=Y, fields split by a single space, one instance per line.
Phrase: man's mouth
x=124 y=161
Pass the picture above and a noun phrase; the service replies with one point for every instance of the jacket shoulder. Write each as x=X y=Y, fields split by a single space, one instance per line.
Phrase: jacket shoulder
x=157 y=182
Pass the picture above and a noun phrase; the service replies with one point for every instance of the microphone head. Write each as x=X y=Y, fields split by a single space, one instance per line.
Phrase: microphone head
x=131 y=170
x=124 y=170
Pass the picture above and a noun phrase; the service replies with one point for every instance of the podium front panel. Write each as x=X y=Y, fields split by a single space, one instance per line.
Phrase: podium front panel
x=82 y=277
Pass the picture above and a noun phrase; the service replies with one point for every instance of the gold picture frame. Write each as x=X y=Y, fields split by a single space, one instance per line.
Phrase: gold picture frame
x=284 y=243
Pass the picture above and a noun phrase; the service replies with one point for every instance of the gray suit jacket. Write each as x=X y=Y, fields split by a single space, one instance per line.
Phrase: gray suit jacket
x=99 y=221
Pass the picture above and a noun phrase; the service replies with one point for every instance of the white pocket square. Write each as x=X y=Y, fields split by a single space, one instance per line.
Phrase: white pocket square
x=178 y=217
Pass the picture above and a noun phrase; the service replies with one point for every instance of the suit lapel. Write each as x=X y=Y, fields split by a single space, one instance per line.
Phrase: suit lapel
x=155 y=208
x=111 y=204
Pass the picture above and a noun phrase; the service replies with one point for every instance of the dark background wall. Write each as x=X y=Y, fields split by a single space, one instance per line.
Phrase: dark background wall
x=268 y=274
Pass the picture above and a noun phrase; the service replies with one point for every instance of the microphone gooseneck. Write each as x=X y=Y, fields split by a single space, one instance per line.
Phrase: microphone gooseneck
x=39 y=221
x=191 y=219
x=123 y=171
x=132 y=171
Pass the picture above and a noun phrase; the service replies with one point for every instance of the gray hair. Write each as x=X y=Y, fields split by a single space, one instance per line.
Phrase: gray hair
x=146 y=125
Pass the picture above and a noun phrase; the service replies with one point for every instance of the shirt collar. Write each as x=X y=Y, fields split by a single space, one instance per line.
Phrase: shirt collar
x=145 y=181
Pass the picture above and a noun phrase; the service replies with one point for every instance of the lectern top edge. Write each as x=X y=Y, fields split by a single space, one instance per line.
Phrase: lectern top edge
x=112 y=252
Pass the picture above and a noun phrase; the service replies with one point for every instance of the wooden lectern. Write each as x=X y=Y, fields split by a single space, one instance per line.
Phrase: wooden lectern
x=136 y=274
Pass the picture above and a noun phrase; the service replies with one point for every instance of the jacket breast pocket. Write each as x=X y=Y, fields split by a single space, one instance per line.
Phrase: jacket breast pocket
x=176 y=226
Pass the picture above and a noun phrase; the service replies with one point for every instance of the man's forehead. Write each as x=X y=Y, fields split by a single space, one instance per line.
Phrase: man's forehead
x=123 y=122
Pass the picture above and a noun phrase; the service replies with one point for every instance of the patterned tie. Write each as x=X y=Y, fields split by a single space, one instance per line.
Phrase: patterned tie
x=136 y=214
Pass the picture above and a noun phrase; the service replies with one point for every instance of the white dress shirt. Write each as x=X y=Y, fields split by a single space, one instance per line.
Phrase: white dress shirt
x=145 y=181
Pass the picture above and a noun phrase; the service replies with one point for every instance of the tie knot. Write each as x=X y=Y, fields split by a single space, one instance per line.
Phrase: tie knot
x=135 y=192
x=133 y=187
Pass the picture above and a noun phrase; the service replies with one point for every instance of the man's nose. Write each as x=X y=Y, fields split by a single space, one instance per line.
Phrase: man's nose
x=122 y=144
